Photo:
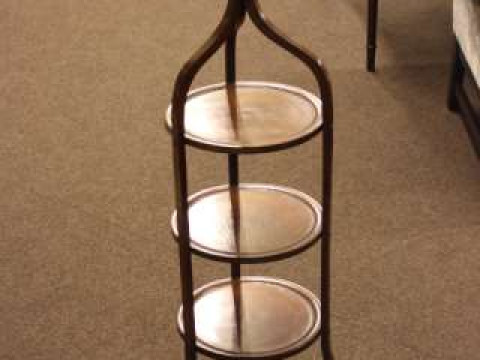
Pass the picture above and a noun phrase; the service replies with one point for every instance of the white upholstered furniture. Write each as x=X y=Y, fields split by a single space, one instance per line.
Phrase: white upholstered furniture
x=464 y=96
x=466 y=26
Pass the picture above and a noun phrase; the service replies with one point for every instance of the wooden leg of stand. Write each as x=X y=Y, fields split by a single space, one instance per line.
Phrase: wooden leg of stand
x=234 y=195
x=183 y=83
x=230 y=74
x=325 y=248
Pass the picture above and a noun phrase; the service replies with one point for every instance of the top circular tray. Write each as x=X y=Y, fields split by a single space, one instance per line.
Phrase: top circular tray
x=254 y=318
x=250 y=117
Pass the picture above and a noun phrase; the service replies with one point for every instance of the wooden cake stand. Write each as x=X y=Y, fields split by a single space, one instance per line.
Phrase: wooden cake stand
x=250 y=317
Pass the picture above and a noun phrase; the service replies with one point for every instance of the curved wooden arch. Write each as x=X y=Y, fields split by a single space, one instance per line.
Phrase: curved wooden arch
x=270 y=31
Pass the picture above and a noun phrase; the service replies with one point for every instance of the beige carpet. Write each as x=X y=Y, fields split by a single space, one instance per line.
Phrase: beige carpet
x=87 y=266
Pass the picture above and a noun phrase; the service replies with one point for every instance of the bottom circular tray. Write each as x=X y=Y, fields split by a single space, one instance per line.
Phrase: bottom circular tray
x=254 y=318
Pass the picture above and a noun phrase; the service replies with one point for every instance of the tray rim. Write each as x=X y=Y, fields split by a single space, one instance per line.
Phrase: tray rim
x=313 y=130
x=291 y=350
x=297 y=246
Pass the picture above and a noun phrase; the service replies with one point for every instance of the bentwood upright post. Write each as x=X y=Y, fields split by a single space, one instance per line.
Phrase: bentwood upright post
x=250 y=223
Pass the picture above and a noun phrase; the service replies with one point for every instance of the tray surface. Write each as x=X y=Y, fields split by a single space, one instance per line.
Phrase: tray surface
x=254 y=318
x=251 y=222
x=250 y=117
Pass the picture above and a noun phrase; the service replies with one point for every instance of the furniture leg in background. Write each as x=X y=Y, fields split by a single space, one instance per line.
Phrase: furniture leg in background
x=462 y=101
x=372 y=34
x=456 y=77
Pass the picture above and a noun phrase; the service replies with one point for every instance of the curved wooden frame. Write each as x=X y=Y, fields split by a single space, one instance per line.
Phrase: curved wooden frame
x=226 y=33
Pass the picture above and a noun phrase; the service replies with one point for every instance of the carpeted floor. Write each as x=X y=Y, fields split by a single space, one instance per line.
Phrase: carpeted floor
x=88 y=267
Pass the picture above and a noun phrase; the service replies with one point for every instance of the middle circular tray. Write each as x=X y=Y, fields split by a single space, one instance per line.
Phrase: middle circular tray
x=251 y=223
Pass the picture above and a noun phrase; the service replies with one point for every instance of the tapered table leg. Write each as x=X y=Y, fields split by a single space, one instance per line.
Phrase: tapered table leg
x=456 y=75
x=372 y=34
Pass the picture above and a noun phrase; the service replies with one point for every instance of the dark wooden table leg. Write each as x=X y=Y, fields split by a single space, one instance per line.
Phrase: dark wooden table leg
x=372 y=34
x=456 y=76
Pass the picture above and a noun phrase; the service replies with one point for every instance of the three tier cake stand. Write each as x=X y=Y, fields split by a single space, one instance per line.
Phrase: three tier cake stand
x=250 y=317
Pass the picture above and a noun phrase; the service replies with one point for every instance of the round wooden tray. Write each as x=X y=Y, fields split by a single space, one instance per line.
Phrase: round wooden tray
x=250 y=117
x=254 y=318
x=251 y=223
